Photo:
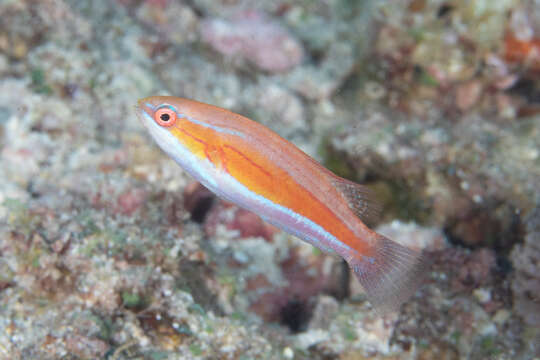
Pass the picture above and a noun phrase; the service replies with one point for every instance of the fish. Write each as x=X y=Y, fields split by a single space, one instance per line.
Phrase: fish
x=248 y=164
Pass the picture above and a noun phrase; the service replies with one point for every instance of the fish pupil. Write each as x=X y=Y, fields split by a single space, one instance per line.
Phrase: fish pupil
x=165 y=117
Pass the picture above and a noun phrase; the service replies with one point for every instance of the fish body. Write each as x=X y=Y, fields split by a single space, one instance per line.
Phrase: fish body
x=248 y=164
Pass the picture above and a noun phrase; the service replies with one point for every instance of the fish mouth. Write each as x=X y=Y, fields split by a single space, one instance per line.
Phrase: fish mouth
x=145 y=107
x=145 y=112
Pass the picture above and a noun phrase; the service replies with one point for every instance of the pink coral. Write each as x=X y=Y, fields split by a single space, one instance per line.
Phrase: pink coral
x=129 y=201
x=251 y=35
x=245 y=222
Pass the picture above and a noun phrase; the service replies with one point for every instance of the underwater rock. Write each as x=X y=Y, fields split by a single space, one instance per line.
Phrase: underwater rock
x=431 y=172
x=24 y=25
x=320 y=82
x=129 y=201
x=324 y=311
x=244 y=222
x=86 y=347
x=198 y=201
x=526 y=279
x=414 y=236
x=468 y=94
x=476 y=270
x=171 y=19
x=253 y=36
x=280 y=109
x=108 y=249
x=306 y=276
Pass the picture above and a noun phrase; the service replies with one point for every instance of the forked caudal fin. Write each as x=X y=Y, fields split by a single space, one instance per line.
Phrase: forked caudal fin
x=390 y=275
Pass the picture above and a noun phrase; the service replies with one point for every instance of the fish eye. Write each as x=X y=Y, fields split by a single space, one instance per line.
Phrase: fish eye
x=165 y=116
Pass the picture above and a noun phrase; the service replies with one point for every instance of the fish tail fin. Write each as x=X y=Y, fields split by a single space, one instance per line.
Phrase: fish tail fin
x=389 y=274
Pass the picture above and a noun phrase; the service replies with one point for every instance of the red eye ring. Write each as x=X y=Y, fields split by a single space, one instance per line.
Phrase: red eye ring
x=165 y=116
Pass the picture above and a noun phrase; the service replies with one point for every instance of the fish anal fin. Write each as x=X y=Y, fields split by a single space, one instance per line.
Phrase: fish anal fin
x=360 y=199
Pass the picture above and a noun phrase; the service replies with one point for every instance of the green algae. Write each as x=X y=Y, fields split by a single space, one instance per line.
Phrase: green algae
x=196 y=308
x=39 y=84
x=400 y=201
x=238 y=316
x=105 y=326
x=195 y=349
x=333 y=160
x=426 y=79
x=489 y=346
x=455 y=336
x=348 y=333
x=100 y=240
x=131 y=300
x=184 y=329
x=20 y=217
x=158 y=355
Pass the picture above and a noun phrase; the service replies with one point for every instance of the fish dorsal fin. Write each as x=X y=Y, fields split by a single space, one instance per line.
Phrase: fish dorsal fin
x=360 y=199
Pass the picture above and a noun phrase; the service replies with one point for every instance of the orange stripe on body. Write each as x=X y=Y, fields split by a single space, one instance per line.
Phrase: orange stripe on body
x=279 y=187
x=211 y=152
x=262 y=176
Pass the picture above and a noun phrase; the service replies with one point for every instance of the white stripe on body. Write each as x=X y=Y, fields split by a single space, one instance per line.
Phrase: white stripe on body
x=226 y=186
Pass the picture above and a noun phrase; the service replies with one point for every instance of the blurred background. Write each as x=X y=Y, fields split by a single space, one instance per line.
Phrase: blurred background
x=108 y=250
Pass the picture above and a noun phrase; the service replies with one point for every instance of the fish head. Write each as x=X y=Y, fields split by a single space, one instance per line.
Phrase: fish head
x=162 y=117
x=158 y=110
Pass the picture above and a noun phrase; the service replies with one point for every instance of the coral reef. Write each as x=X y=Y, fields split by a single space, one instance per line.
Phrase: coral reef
x=526 y=281
x=254 y=37
x=109 y=250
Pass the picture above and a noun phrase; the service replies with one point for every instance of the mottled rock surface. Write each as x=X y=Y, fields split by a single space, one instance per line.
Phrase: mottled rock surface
x=526 y=279
x=109 y=250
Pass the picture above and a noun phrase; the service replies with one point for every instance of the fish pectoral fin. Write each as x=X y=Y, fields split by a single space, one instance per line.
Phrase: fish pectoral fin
x=359 y=198
x=389 y=274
